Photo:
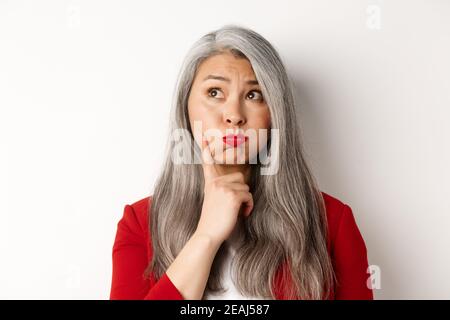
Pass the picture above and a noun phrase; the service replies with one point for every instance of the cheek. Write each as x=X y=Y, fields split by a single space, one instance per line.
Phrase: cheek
x=207 y=118
x=201 y=119
x=261 y=121
x=197 y=124
x=263 y=124
x=267 y=118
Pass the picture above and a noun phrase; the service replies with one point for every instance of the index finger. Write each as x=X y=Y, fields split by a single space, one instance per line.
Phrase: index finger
x=209 y=169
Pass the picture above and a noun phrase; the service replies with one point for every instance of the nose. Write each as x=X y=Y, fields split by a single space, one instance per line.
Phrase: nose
x=233 y=115
x=235 y=120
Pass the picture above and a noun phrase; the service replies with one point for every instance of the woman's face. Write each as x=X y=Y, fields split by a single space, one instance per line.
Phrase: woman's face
x=226 y=96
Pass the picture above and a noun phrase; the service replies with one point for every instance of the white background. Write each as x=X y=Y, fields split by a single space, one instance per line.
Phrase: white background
x=85 y=92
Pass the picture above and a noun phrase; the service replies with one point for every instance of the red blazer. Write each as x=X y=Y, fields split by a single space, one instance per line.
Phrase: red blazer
x=132 y=252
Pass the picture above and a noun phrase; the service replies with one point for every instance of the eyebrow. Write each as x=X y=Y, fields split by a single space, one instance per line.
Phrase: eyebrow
x=211 y=76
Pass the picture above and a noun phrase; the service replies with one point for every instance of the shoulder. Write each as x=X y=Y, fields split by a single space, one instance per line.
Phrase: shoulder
x=334 y=207
x=336 y=211
x=135 y=217
x=137 y=213
x=343 y=231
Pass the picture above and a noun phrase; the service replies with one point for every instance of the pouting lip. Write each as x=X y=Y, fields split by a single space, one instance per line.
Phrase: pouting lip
x=234 y=140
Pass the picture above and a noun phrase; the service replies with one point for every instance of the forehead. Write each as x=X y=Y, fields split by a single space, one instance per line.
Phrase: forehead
x=225 y=64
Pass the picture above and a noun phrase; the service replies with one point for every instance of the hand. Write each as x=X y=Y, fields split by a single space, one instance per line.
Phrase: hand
x=224 y=195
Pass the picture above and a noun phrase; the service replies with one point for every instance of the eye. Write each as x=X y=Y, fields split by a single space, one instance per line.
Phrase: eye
x=255 y=93
x=214 y=92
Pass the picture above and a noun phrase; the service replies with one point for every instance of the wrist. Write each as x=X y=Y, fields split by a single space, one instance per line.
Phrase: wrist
x=206 y=238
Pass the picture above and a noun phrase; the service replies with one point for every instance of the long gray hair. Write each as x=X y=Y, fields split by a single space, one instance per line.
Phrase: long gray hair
x=288 y=223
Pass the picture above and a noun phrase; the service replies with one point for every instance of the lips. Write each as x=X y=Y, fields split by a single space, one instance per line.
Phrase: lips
x=234 y=140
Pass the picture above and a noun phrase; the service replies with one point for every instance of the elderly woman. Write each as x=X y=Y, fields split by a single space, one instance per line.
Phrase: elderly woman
x=221 y=223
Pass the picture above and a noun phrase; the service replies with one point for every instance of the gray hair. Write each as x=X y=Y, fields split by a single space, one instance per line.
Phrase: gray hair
x=287 y=226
